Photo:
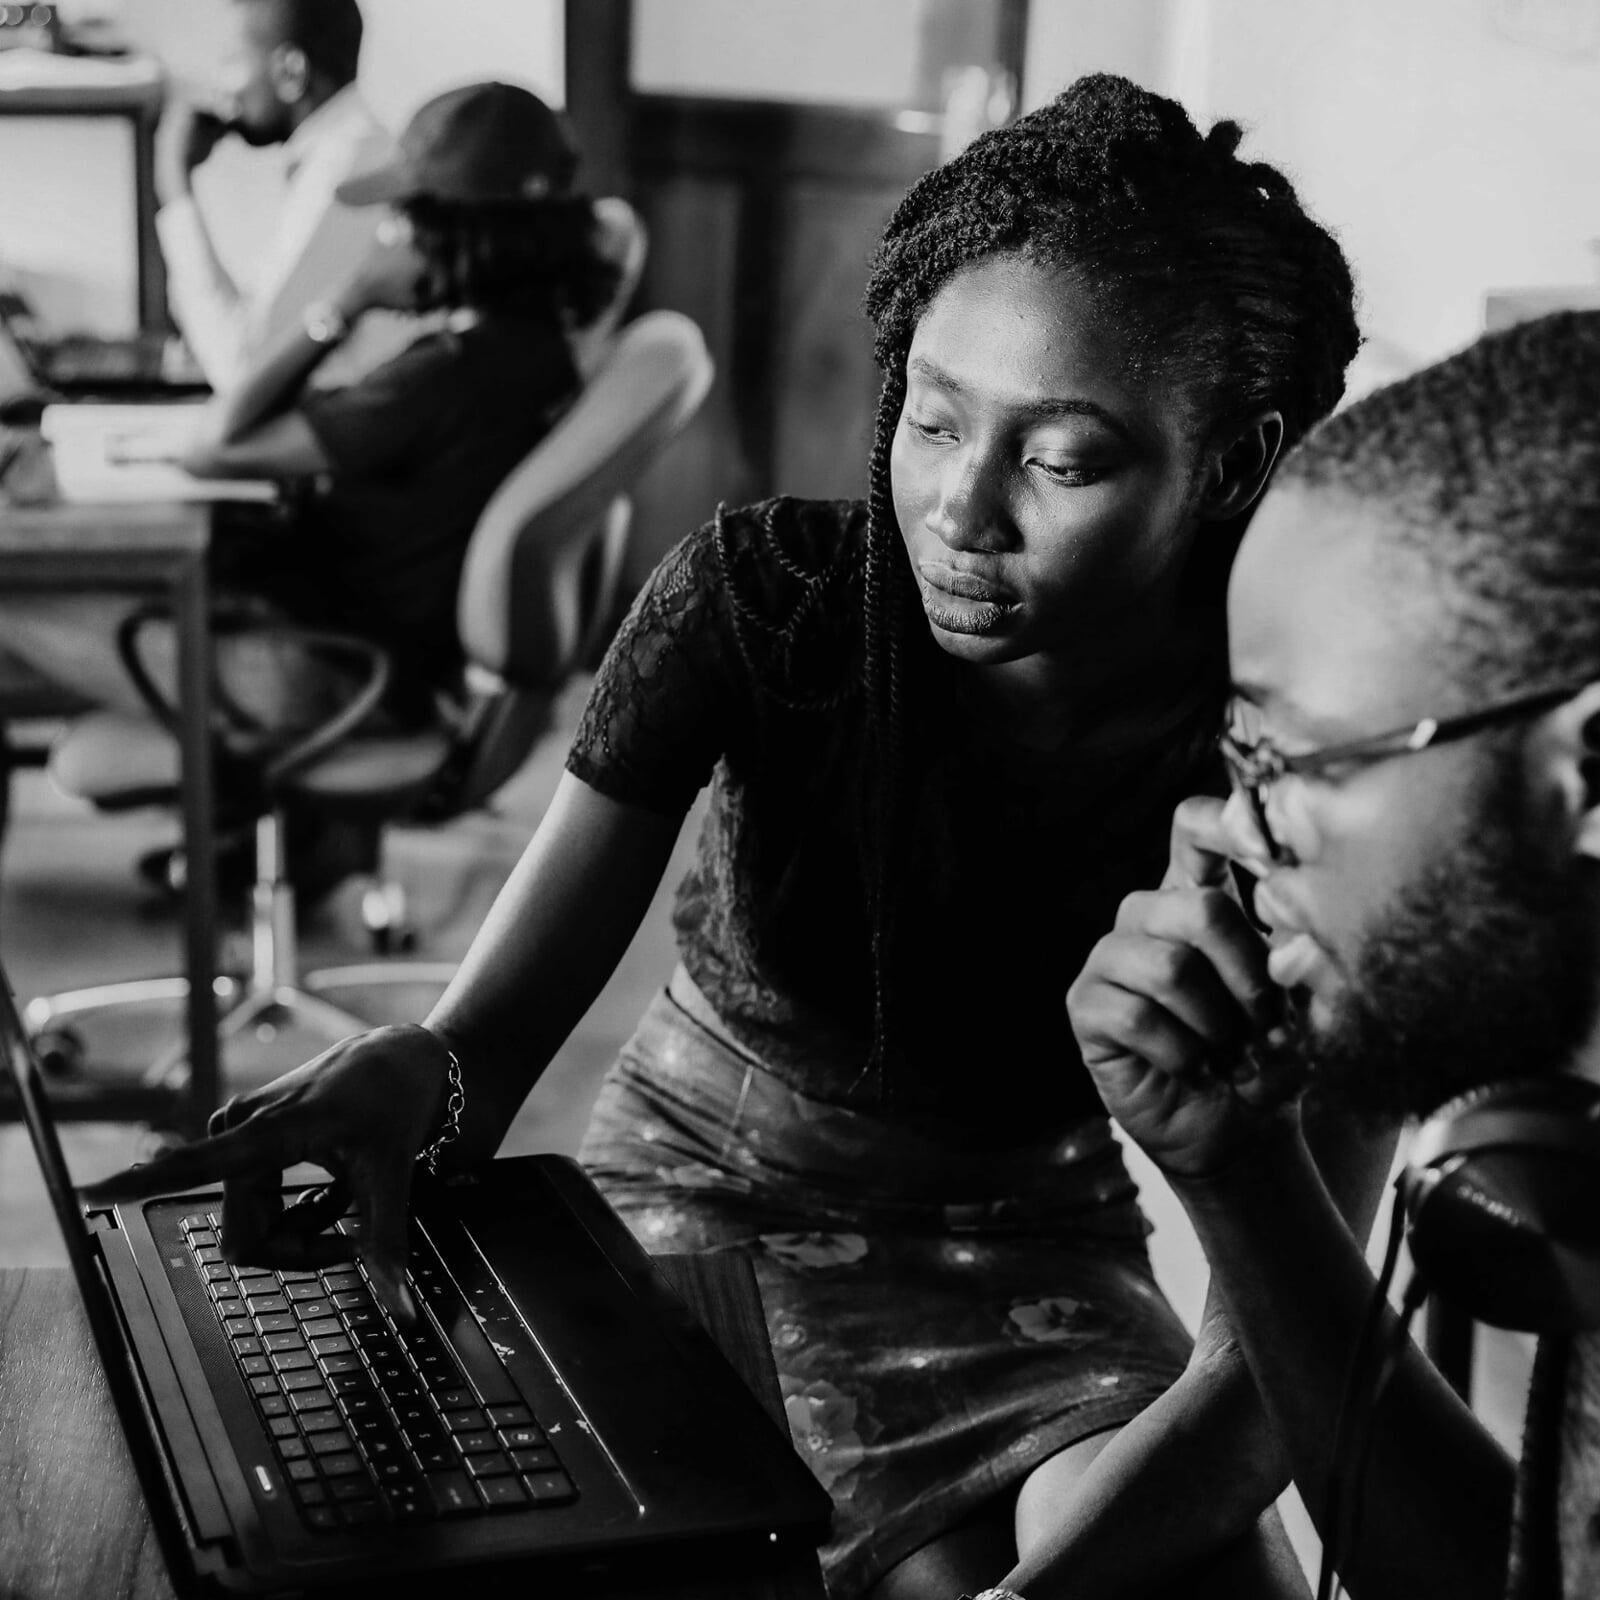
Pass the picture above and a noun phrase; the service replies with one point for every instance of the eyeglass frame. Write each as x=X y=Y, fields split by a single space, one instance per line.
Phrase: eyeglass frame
x=1253 y=769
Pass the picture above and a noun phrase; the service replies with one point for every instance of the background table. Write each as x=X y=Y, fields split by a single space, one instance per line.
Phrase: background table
x=73 y=1521
x=145 y=548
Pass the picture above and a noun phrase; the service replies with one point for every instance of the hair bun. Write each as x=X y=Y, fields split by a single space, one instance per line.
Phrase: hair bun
x=1224 y=137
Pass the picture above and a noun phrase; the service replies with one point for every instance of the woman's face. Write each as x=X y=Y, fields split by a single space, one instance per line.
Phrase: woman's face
x=1045 y=486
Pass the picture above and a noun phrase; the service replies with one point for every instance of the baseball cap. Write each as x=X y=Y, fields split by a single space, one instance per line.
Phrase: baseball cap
x=485 y=144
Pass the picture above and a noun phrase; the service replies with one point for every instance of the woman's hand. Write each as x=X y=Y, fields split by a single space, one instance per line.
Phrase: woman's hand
x=363 y=1110
x=392 y=276
x=1168 y=1002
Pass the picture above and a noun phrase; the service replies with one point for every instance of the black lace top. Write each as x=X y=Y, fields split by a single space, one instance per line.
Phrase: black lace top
x=740 y=664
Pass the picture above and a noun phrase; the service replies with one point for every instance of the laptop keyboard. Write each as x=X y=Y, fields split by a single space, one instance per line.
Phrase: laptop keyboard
x=371 y=1422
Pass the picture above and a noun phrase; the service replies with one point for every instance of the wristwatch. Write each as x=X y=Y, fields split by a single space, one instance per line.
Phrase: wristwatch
x=325 y=323
x=992 y=1594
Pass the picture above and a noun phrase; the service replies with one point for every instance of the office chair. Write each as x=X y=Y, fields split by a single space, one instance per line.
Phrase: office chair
x=624 y=242
x=538 y=591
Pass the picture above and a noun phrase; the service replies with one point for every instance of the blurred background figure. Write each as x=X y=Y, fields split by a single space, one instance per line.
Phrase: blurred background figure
x=287 y=78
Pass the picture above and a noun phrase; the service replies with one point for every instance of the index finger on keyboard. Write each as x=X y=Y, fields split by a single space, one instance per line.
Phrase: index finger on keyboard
x=242 y=1150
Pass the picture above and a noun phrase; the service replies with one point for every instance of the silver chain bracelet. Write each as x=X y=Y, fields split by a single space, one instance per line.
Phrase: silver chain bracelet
x=454 y=1104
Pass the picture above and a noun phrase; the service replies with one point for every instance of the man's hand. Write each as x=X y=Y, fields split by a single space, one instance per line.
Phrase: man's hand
x=185 y=138
x=1168 y=1003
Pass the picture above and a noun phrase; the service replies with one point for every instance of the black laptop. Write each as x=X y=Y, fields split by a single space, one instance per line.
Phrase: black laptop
x=143 y=365
x=555 y=1413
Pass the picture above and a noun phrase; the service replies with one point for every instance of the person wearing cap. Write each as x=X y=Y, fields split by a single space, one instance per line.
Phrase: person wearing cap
x=484 y=228
x=287 y=79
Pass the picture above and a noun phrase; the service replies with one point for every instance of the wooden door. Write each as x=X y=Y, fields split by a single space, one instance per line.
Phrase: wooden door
x=763 y=214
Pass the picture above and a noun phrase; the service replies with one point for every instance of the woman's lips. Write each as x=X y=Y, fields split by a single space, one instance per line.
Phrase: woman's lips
x=958 y=602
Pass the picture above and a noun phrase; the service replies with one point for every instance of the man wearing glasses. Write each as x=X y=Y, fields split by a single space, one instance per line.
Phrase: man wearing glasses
x=1414 y=744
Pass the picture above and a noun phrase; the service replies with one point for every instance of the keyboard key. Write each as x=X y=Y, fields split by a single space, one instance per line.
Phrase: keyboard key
x=292 y=1449
x=209 y=1256
x=326 y=1444
x=272 y=1405
x=452 y=1493
x=280 y=1322
x=298 y=1275
x=502 y=1494
x=312 y=1310
x=320 y=1519
x=264 y=1386
x=282 y=1427
x=320 y=1421
x=365 y=1319
x=304 y=1379
x=348 y=1491
x=522 y=1438
x=476 y=1442
x=411 y=1502
x=342 y=1465
x=311 y=1492
x=364 y=1512
x=220 y=1275
x=255 y=1275
x=435 y=1457
x=334 y=1282
x=247 y=1345
x=339 y=1366
x=234 y=1326
x=311 y=1400
x=549 y=1488
x=301 y=1292
x=535 y=1460
x=457 y=1398
x=254 y=1366
x=396 y=1473
x=293 y=1361
x=336 y=1346
x=300 y=1471
x=462 y=1421
x=263 y=1301
x=487 y=1466
x=509 y=1416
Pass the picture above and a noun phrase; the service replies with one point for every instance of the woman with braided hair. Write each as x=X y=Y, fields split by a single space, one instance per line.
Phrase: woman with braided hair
x=945 y=732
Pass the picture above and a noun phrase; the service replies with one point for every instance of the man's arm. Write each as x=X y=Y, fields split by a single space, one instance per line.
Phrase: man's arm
x=1194 y=1472
x=1161 y=1011
x=206 y=302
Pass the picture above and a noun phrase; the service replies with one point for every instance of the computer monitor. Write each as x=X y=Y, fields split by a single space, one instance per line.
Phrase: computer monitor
x=70 y=235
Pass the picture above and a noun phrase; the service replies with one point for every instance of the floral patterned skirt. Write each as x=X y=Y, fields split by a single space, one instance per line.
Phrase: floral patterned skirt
x=942 y=1320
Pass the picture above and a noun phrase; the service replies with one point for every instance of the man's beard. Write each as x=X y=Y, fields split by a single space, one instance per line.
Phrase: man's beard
x=1484 y=968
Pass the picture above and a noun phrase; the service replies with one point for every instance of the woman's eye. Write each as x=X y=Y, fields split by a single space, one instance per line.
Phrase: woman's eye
x=929 y=430
x=1072 y=474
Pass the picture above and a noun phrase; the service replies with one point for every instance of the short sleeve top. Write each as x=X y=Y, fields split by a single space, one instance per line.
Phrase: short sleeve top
x=740 y=666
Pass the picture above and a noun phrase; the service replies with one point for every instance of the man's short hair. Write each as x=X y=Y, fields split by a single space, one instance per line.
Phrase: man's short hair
x=1487 y=468
x=329 y=31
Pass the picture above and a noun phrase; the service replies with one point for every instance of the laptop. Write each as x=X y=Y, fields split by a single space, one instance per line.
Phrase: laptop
x=555 y=1416
x=139 y=365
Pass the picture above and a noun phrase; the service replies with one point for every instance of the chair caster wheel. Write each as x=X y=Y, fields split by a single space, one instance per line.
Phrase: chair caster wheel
x=383 y=914
x=61 y=1050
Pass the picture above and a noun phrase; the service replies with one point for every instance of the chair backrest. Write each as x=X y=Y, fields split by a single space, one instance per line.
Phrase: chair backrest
x=623 y=241
x=545 y=558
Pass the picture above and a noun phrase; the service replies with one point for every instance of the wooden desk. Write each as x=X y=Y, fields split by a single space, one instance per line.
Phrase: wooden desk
x=73 y=1521
x=144 y=549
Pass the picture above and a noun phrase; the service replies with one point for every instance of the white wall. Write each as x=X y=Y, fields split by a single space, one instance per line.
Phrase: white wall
x=1453 y=147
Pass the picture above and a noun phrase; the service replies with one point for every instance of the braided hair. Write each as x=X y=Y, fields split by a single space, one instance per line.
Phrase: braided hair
x=1207 y=264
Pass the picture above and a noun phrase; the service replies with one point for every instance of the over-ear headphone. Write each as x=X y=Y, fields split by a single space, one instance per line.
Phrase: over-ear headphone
x=1502 y=1199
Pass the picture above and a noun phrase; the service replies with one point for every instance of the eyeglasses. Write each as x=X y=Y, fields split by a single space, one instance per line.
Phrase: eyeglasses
x=1254 y=765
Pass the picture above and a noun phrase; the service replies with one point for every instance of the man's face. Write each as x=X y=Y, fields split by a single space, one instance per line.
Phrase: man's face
x=1429 y=930
x=251 y=71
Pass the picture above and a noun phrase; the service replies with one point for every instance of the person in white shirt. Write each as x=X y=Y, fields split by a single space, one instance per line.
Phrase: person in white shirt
x=286 y=78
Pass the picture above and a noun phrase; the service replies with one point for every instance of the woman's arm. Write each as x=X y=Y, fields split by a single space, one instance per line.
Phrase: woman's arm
x=550 y=942
x=253 y=429
x=364 y=1109
x=1196 y=1469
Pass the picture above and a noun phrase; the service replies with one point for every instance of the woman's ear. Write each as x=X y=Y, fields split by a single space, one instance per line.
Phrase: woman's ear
x=1236 y=474
x=289 y=72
